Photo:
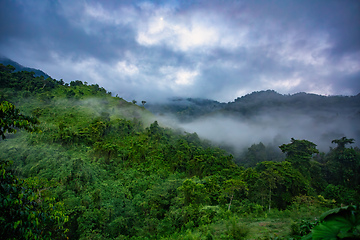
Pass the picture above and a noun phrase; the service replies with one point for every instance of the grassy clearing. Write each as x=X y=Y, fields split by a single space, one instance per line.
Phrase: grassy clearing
x=268 y=228
x=273 y=225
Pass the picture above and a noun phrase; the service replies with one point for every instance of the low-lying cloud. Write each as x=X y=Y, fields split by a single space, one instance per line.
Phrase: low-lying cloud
x=273 y=129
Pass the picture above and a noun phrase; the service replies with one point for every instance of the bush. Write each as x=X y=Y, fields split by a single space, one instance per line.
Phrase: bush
x=208 y=214
x=340 y=194
x=303 y=227
x=235 y=230
x=246 y=207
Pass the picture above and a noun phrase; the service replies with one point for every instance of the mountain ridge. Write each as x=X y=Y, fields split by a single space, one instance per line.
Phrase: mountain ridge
x=18 y=67
x=103 y=168
x=188 y=108
x=197 y=101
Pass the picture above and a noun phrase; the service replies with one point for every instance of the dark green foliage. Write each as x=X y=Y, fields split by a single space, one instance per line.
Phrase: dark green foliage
x=76 y=83
x=27 y=210
x=236 y=230
x=11 y=118
x=343 y=164
x=303 y=228
x=17 y=67
x=339 y=223
x=342 y=142
x=120 y=174
x=340 y=194
x=257 y=153
x=186 y=109
x=299 y=153
x=24 y=80
x=275 y=184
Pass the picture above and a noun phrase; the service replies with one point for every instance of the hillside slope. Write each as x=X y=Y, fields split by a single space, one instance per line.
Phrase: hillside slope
x=114 y=172
x=267 y=117
x=18 y=67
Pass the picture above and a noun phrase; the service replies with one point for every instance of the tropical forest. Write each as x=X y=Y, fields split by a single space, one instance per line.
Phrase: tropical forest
x=80 y=163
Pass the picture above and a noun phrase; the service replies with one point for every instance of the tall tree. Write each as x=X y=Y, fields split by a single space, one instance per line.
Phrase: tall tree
x=231 y=186
x=299 y=153
x=343 y=164
x=342 y=142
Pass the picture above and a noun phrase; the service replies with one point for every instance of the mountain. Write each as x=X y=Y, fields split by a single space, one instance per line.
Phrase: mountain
x=18 y=67
x=267 y=117
x=185 y=109
x=304 y=103
x=99 y=167
x=269 y=101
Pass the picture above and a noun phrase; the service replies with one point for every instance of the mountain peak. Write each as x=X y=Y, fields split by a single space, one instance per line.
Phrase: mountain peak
x=18 y=67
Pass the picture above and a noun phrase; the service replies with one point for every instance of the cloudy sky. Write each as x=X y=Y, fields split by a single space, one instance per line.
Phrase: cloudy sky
x=148 y=50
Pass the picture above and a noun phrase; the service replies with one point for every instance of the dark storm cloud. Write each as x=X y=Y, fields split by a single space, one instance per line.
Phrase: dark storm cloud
x=213 y=49
x=46 y=26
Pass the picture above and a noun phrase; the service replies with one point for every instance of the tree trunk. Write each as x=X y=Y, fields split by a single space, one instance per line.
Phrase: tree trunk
x=231 y=198
x=270 y=200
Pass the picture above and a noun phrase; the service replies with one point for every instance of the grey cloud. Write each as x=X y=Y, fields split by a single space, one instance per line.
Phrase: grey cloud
x=286 y=45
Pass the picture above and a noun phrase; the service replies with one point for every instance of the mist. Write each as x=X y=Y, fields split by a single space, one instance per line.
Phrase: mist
x=272 y=129
x=236 y=132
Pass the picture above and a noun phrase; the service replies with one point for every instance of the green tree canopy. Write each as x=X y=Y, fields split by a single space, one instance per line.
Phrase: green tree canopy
x=299 y=153
x=342 y=142
x=11 y=119
x=27 y=211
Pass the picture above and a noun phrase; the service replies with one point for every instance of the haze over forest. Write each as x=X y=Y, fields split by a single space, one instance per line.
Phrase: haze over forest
x=88 y=165
x=264 y=116
x=170 y=119
x=158 y=50
x=267 y=117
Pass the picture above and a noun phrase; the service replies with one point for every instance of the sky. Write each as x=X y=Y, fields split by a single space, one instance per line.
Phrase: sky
x=220 y=50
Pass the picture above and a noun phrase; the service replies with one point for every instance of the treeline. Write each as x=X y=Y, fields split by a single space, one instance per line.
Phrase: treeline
x=110 y=171
x=26 y=84
x=259 y=103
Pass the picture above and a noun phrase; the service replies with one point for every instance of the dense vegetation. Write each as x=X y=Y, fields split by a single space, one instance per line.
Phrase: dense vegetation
x=93 y=166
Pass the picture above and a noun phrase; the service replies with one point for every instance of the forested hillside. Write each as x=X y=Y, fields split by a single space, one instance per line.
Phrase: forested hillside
x=185 y=109
x=18 y=68
x=256 y=103
x=266 y=118
x=85 y=165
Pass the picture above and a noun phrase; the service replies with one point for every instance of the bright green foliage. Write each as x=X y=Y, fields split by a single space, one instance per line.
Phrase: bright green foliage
x=231 y=186
x=11 y=118
x=194 y=192
x=120 y=174
x=27 y=211
x=339 y=223
x=275 y=184
x=24 y=80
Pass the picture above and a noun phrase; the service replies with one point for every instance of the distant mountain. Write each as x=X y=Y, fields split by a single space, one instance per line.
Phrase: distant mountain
x=269 y=101
x=267 y=117
x=18 y=67
x=186 y=109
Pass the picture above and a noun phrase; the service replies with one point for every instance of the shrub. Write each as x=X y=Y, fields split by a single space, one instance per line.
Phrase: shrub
x=235 y=230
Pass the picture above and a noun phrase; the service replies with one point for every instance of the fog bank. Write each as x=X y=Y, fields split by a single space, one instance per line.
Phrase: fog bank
x=241 y=133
